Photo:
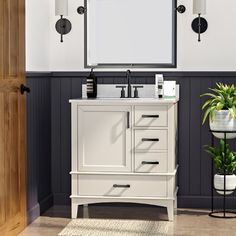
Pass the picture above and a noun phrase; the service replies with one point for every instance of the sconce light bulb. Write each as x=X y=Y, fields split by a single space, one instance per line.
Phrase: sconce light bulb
x=199 y=7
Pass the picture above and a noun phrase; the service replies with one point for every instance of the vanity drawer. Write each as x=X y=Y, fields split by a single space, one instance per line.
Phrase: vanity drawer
x=151 y=162
x=122 y=186
x=151 y=140
x=151 y=116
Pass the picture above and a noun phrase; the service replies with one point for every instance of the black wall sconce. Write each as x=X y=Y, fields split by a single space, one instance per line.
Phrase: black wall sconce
x=63 y=26
x=199 y=24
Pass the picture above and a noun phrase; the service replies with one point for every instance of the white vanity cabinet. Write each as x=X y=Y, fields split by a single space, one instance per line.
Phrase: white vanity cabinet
x=124 y=150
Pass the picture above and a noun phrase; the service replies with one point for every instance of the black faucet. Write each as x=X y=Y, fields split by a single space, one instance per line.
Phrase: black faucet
x=128 y=72
x=129 y=88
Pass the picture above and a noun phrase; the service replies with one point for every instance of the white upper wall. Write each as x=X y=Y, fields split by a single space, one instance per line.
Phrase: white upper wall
x=216 y=51
x=37 y=35
x=69 y=55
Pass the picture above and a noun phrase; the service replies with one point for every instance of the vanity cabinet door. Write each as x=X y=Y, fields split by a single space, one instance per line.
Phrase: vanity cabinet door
x=104 y=138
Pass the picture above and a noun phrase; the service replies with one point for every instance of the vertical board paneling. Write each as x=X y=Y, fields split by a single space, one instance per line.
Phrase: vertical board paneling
x=194 y=164
x=65 y=135
x=150 y=80
x=195 y=138
x=183 y=137
x=45 y=144
x=107 y=80
x=76 y=88
x=119 y=80
x=38 y=144
x=56 y=134
x=205 y=140
x=32 y=198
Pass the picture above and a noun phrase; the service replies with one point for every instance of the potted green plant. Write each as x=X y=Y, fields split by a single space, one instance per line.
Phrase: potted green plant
x=225 y=164
x=221 y=109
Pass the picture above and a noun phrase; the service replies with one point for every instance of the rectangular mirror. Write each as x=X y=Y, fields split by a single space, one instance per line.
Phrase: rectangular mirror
x=130 y=33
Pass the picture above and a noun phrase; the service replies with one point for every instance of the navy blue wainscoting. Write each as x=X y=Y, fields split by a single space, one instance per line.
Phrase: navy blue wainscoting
x=39 y=196
x=49 y=136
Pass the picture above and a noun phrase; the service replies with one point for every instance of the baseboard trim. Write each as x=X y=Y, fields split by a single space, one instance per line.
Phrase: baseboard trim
x=205 y=202
x=46 y=203
x=61 y=199
x=33 y=213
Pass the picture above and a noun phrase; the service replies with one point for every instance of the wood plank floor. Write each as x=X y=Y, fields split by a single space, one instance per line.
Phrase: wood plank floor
x=187 y=222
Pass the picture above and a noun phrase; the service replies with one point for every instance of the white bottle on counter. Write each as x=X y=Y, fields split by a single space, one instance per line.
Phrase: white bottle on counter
x=159 y=86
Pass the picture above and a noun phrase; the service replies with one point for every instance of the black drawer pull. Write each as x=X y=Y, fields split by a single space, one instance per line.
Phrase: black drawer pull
x=150 y=116
x=150 y=139
x=128 y=120
x=150 y=162
x=121 y=185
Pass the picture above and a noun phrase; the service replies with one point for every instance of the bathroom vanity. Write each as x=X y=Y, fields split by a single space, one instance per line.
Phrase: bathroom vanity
x=124 y=150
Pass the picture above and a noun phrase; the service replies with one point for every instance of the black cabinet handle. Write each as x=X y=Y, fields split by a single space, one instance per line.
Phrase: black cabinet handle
x=128 y=120
x=121 y=185
x=150 y=139
x=150 y=116
x=23 y=89
x=150 y=162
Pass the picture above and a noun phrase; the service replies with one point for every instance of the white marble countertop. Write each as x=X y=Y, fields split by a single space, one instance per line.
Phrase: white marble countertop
x=124 y=101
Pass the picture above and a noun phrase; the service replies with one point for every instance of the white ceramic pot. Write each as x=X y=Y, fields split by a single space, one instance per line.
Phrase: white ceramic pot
x=230 y=181
x=223 y=121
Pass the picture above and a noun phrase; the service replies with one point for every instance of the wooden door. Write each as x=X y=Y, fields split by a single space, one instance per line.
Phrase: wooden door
x=104 y=142
x=12 y=118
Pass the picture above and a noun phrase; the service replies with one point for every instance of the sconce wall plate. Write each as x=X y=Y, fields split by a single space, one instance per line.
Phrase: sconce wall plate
x=195 y=25
x=63 y=26
x=181 y=9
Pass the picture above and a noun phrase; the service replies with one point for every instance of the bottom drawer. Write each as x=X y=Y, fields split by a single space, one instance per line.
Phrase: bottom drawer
x=122 y=186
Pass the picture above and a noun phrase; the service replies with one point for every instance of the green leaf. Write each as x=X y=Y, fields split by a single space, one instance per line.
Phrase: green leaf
x=212 y=113
x=219 y=106
x=224 y=158
x=208 y=94
x=205 y=115
x=233 y=112
x=206 y=104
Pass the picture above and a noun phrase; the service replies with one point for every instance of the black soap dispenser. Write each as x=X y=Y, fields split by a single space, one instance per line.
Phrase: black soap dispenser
x=91 y=85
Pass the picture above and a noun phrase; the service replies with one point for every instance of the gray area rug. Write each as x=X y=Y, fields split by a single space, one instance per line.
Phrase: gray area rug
x=104 y=227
